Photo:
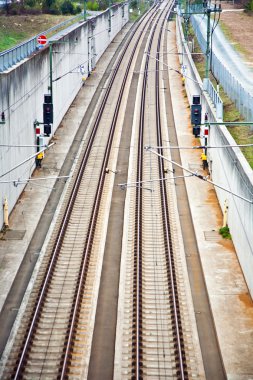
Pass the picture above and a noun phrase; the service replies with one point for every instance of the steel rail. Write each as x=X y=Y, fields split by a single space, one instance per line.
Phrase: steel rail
x=137 y=273
x=166 y=226
x=65 y=220
x=95 y=211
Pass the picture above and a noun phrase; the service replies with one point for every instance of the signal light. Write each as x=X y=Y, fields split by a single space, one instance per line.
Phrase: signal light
x=47 y=129
x=47 y=98
x=196 y=114
x=48 y=113
x=196 y=130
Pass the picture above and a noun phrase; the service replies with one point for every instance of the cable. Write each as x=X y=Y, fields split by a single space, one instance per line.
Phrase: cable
x=27 y=159
x=199 y=175
x=25 y=180
x=40 y=83
x=177 y=71
x=201 y=146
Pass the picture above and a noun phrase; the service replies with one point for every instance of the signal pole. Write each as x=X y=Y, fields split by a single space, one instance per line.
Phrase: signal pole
x=202 y=9
x=84 y=10
x=208 y=34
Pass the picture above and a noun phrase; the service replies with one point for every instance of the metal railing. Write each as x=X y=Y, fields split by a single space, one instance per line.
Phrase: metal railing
x=215 y=97
x=232 y=85
x=10 y=57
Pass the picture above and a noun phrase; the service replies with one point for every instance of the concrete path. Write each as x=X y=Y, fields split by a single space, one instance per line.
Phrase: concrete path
x=229 y=297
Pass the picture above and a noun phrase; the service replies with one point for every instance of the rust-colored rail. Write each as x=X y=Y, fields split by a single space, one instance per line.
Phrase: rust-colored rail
x=171 y=273
x=137 y=341
x=31 y=331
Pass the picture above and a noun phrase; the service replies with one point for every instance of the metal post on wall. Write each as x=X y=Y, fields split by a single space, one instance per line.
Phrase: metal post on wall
x=110 y=16
x=50 y=88
x=84 y=10
x=208 y=44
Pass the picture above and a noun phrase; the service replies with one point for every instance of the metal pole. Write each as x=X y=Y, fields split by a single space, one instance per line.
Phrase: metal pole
x=51 y=70
x=208 y=44
x=84 y=10
x=110 y=16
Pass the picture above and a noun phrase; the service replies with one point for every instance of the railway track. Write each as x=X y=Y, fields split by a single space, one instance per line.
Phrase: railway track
x=153 y=331
x=55 y=333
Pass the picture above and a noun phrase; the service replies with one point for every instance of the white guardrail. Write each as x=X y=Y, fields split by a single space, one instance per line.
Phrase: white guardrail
x=228 y=167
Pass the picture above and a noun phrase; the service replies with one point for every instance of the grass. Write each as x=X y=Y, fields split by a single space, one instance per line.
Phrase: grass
x=8 y=40
x=16 y=29
x=239 y=48
x=241 y=134
x=134 y=15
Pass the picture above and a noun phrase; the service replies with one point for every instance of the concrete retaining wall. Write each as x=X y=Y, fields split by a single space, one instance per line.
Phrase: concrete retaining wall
x=228 y=168
x=22 y=91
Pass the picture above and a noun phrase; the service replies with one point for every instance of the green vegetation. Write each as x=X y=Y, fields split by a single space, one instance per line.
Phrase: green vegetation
x=137 y=9
x=249 y=6
x=224 y=232
x=227 y=33
x=241 y=134
x=92 y=5
x=16 y=29
x=55 y=7
x=7 y=40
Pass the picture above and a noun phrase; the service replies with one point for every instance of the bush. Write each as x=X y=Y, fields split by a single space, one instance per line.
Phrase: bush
x=51 y=6
x=92 y=5
x=224 y=232
x=67 y=7
x=249 y=6
x=77 y=9
x=134 y=4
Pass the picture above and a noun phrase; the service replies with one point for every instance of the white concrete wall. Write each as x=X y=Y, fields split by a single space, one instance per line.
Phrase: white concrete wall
x=228 y=168
x=22 y=91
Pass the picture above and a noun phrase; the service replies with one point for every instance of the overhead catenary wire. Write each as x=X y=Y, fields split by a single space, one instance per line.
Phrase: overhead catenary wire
x=26 y=160
x=199 y=176
x=173 y=69
x=137 y=184
x=22 y=146
x=25 y=180
x=203 y=146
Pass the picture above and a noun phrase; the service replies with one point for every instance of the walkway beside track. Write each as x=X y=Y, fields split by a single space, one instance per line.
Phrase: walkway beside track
x=31 y=217
x=229 y=298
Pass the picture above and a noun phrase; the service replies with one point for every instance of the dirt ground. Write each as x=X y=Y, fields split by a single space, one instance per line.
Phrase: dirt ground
x=238 y=28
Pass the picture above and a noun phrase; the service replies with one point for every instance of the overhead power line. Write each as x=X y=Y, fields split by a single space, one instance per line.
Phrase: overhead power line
x=199 y=176
x=203 y=146
x=26 y=160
